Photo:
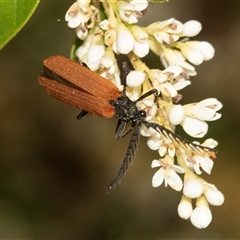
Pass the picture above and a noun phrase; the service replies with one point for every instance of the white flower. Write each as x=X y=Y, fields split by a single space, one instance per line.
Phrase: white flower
x=207 y=49
x=130 y=12
x=175 y=58
x=141 y=44
x=133 y=93
x=124 y=40
x=82 y=51
x=172 y=72
x=79 y=12
x=194 y=127
x=82 y=31
x=91 y=50
x=194 y=56
x=196 y=52
x=154 y=141
x=174 y=75
x=149 y=106
x=141 y=49
x=73 y=16
x=210 y=143
x=139 y=5
x=185 y=207
x=107 y=60
x=147 y=132
x=167 y=147
x=192 y=188
x=156 y=76
x=135 y=78
x=213 y=195
x=176 y=114
x=139 y=34
x=166 y=31
x=201 y=215
x=110 y=30
x=126 y=12
x=79 y=15
x=181 y=83
x=167 y=173
x=177 y=77
x=205 y=110
x=168 y=90
x=192 y=116
x=191 y=28
x=96 y=50
x=162 y=144
x=198 y=161
x=108 y=68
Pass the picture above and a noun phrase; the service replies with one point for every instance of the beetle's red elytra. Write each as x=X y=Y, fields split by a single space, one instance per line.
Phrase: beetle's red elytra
x=78 y=86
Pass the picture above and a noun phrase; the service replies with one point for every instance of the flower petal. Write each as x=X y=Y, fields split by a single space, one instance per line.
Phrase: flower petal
x=201 y=217
x=194 y=127
x=192 y=188
x=155 y=163
x=158 y=178
x=174 y=181
x=176 y=114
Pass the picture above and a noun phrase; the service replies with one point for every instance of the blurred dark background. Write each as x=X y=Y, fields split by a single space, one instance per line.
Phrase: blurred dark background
x=54 y=169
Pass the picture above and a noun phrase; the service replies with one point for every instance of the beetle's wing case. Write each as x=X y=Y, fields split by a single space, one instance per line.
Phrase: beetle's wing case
x=77 y=98
x=82 y=77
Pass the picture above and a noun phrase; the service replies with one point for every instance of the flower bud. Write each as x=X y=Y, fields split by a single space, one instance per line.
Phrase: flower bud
x=135 y=78
x=185 y=207
x=192 y=188
x=124 y=40
x=201 y=215
x=213 y=195
x=141 y=49
x=191 y=28
x=176 y=114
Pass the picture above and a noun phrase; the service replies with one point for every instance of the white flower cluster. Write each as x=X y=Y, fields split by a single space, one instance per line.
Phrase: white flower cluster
x=114 y=31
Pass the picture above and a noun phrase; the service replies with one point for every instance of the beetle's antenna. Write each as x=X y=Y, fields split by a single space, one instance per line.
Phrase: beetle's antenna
x=132 y=147
x=125 y=73
x=177 y=138
x=145 y=95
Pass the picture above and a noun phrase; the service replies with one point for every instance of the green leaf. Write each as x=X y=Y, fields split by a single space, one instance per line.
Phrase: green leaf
x=74 y=48
x=13 y=16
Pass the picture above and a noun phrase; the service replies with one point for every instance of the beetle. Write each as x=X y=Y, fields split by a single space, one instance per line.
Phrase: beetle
x=77 y=86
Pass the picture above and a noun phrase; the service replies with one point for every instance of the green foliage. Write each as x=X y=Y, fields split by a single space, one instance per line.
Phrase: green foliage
x=14 y=14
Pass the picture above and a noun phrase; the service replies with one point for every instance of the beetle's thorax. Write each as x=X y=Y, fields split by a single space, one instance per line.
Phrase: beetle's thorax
x=125 y=108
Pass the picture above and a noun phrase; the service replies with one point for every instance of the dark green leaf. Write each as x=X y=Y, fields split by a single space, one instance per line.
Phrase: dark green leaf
x=13 y=16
